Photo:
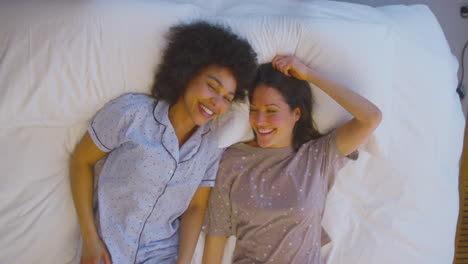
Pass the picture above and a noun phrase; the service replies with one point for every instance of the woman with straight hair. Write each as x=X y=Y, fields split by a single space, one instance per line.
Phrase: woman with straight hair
x=270 y=192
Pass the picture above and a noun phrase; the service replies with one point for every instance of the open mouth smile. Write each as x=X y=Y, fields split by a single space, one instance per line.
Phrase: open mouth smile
x=205 y=111
x=264 y=132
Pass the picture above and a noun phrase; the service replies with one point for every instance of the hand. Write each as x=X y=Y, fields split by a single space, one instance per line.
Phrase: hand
x=291 y=66
x=94 y=251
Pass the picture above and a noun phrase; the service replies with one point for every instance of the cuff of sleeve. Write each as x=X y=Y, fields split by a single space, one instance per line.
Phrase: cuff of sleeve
x=207 y=183
x=352 y=156
x=96 y=140
x=216 y=232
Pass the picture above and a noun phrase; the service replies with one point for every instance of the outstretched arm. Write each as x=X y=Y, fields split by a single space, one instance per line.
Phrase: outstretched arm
x=367 y=116
x=214 y=249
x=191 y=223
x=81 y=180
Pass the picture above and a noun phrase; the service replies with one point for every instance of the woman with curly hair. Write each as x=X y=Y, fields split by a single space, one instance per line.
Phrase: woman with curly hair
x=162 y=155
x=270 y=192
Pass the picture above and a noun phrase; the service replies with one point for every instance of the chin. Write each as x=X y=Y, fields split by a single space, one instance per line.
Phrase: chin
x=263 y=144
x=201 y=120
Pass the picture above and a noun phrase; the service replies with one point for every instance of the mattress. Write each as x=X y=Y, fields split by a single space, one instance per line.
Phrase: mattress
x=61 y=61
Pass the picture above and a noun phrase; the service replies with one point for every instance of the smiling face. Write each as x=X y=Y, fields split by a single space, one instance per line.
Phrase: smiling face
x=208 y=95
x=271 y=118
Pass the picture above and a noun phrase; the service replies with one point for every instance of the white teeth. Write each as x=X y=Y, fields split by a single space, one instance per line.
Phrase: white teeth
x=264 y=131
x=208 y=111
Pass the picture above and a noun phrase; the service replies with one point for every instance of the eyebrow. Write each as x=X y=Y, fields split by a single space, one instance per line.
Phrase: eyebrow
x=219 y=82
x=267 y=105
x=216 y=80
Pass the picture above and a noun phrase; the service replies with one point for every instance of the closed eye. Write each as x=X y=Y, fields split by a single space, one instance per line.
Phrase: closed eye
x=212 y=87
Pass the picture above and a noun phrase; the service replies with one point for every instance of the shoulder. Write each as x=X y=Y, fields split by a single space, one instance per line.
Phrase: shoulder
x=241 y=152
x=232 y=152
x=134 y=100
x=317 y=147
x=132 y=104
x=124 y=107
x=240 y=148
x=327 y=145
x=319 y=142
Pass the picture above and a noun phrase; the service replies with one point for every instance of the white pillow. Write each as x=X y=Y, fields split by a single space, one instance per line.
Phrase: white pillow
x=268 y=37
x=61 y=61
x=356 y=54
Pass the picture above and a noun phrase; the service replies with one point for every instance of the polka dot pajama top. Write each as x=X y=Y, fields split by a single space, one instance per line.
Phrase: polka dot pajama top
x=272 y=200
x=147 y=182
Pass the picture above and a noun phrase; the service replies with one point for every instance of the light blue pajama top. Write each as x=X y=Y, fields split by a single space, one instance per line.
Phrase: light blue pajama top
x=147 y=182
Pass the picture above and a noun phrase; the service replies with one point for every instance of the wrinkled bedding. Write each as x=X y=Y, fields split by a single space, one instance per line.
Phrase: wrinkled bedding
x=61 y=61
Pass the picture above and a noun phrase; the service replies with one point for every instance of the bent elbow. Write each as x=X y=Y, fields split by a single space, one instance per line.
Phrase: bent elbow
x=79 y=164
x=373 y=118
x=377 y=116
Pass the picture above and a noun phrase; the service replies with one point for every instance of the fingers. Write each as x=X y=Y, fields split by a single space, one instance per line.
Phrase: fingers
x=279 y=61
x=89 y=261
x=93 y=261
x=276 y=58
x=96 y=259
x=283 y=64
x=106 y=258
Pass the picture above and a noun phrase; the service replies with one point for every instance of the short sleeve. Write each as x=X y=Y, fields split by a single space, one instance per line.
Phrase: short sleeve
x=218 y=219
x=109 y=126
x=210 y=175
x=332 y=160
x=336 y=160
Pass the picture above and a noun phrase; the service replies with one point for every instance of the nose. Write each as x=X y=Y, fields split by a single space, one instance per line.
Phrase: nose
x=259 y=118
x=219 y=103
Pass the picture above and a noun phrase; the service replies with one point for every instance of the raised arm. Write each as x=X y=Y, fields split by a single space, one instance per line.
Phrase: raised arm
x=367 y=116
x=81 y=179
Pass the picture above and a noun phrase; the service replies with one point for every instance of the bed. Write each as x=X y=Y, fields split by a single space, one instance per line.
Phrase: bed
x=60 y=61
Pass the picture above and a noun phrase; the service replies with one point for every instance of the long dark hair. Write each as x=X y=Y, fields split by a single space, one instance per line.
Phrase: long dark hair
x=297 y=94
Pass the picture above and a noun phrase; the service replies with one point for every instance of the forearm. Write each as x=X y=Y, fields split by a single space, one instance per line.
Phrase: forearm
x=190 y=226
x=81 y=180
x=214 y=249
x=361 y=108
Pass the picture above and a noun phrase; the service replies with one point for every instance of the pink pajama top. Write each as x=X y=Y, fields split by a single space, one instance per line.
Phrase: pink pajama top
x=272 y=200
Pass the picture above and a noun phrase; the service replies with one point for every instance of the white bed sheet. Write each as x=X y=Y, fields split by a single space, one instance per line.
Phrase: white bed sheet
x=400 y=207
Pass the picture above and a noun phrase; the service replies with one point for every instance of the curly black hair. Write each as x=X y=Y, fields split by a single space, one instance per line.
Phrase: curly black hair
x=297 y=94
x=193 y=47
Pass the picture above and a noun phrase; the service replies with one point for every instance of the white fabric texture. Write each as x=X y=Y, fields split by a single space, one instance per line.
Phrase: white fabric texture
x=347 y=51
x=268 y=36
x=60 y=62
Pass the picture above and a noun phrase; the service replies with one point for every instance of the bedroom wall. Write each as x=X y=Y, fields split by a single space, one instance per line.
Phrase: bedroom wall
x=454 y=26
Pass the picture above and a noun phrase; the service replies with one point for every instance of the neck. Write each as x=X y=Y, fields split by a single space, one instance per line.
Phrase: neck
x=181 y=121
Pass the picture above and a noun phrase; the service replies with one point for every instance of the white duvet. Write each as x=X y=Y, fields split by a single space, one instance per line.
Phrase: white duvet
x=60 y=62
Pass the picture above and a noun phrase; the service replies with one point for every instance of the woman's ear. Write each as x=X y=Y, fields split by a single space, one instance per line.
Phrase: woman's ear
x=297 y=114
